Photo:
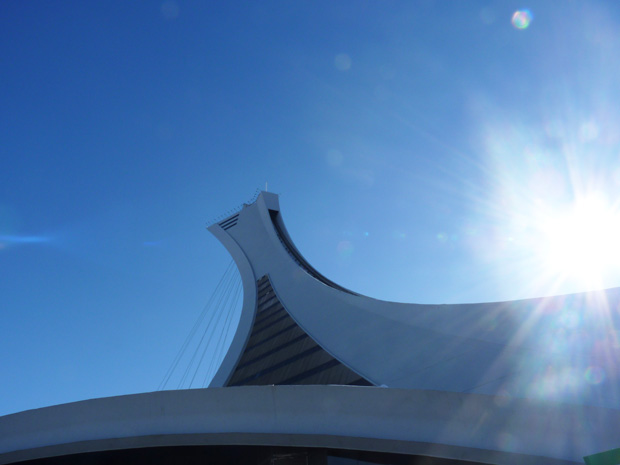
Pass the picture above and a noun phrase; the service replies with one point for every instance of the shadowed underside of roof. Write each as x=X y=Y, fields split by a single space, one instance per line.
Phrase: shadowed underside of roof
x=281 y=352
x=243 y=454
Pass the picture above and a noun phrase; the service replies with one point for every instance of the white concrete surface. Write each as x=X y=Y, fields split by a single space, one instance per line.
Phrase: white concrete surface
x=475 y=427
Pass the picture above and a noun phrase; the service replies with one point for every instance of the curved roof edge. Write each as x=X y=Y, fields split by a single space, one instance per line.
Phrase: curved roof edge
x=433 y=423
x=248 y=308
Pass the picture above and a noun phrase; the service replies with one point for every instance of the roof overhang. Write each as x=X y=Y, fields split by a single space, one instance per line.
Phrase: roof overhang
x=475 y=427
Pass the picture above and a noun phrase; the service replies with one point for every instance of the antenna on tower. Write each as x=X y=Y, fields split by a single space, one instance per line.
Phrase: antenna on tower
x=265 y=186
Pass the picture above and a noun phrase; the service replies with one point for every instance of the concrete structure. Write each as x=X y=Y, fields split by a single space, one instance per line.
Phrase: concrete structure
x=358 y=379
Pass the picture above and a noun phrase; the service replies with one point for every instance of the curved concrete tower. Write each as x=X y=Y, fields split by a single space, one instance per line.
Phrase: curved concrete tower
x=320 y=375
x=298 y=327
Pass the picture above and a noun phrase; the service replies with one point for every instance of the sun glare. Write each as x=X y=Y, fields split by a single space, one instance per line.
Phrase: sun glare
x=583 y=242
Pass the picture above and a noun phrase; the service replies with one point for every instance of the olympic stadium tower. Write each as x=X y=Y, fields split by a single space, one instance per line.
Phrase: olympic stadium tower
x=318 y=374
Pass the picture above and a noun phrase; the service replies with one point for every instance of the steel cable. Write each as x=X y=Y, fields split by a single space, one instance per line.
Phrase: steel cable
x=214 y=313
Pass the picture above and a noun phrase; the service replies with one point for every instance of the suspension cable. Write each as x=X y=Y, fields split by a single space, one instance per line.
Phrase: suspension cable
x=214 y=314
x=175 y=362
x=222 y=303
x=217 y=358
x=224 y=309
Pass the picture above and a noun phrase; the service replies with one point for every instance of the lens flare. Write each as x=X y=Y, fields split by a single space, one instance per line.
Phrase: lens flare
x=169 y=10
x=345 y=249
x=334 y=157
x=595 y=375
x=521 y=19
x=8 y=239
x=342 y=62
x=507 y=441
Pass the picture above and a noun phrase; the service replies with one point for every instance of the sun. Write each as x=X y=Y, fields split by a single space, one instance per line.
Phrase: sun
x=582 y=243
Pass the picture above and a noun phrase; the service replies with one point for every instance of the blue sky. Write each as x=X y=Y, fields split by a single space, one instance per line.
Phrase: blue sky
x=425 y=152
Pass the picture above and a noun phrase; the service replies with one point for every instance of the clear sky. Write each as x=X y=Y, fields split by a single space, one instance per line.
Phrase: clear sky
x=431 y=152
